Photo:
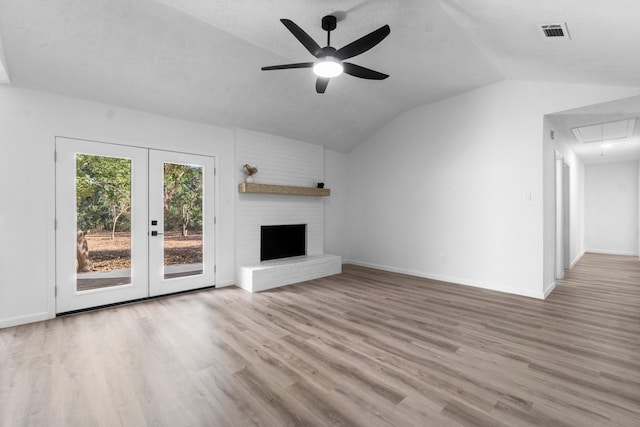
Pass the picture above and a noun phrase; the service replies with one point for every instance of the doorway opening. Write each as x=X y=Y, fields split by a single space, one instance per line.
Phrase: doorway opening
x=591 y=158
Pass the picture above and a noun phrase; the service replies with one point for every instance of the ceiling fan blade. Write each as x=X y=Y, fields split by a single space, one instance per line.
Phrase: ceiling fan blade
x=363 y=44
x=321 y=84
x=304 y=38
x=287 y=66
x=362 y=72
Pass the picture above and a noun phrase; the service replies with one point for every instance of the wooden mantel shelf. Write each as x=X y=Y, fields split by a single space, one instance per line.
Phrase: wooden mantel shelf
x=247 y=187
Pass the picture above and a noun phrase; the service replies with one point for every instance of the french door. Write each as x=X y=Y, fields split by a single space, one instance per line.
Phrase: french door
x=181 y=242
x=130 y=223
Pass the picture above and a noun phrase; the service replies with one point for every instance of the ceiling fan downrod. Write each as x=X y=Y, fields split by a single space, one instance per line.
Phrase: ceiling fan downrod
x=329 y=24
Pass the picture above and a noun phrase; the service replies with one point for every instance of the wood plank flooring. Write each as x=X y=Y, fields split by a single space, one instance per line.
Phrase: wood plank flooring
x=364 y=348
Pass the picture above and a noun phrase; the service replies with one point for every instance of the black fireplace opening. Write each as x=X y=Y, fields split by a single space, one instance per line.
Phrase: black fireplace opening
x=283 y=241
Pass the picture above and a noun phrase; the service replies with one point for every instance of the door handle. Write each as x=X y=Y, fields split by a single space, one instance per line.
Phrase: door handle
x=155 y=233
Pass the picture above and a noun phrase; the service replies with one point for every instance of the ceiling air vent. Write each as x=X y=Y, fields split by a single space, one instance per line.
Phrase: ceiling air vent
x=555 y=31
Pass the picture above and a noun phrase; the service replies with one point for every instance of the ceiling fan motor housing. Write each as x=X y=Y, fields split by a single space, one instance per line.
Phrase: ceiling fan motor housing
x=327 y=51
x=329 y=23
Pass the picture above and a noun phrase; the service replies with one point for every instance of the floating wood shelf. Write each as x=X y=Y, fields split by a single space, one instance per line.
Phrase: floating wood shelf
x=247 y=187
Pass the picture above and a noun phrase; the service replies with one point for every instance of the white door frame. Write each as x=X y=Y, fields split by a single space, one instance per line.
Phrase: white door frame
x=562 y=217
x=559 y=240
x=566 y=214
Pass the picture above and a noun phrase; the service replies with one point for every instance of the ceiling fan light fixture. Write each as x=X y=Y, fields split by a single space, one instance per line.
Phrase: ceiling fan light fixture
x=328 y=67
x=328 y=62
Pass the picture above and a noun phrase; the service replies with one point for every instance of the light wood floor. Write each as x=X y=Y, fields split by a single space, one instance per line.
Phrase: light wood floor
x=365 y=348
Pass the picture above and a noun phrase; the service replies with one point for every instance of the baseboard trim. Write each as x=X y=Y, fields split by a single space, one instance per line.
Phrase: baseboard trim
x=445 y=278
x=22 y=320
x=575 y=261
x=605 y=252
x=548 y=289
x=225 y=284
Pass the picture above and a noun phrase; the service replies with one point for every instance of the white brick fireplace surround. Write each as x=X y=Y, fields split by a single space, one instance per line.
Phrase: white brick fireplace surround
x=280 y=161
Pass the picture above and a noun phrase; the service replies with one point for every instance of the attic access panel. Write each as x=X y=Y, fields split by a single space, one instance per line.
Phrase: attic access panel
x=611 y=131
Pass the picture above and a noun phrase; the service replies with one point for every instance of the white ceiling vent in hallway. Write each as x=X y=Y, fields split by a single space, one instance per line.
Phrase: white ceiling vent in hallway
x=555 y=31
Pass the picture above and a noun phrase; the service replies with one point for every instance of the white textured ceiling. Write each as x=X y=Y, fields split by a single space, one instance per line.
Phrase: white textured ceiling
x=603 y=49
x=200 y=59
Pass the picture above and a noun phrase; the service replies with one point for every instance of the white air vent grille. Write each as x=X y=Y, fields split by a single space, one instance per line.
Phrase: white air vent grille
x=555 y=31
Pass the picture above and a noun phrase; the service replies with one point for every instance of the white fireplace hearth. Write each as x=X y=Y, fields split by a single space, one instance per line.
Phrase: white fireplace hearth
x=286 y=271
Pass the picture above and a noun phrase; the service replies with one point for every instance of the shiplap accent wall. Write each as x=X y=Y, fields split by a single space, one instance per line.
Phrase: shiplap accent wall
x=279 y=161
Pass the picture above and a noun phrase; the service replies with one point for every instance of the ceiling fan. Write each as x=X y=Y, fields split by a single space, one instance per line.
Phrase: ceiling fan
x=329 y=60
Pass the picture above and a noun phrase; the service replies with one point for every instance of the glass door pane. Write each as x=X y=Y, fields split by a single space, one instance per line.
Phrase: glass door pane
x=182 y=205
x=103 y=221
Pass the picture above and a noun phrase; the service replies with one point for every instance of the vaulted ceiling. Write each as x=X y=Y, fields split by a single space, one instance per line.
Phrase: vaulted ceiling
x=200 y=59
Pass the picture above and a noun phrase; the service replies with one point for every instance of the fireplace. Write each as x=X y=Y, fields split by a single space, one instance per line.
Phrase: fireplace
x=283 y=241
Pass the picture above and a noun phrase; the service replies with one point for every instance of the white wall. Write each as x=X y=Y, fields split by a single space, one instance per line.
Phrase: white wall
x=29 y=123
x=280 y=161
x=443 y=190
x=335 y=207
x=611 y=208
